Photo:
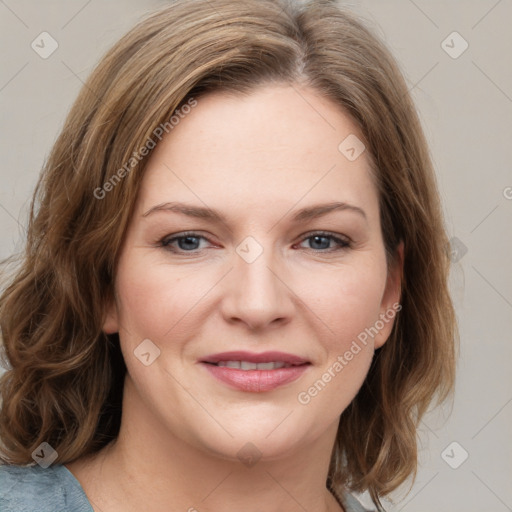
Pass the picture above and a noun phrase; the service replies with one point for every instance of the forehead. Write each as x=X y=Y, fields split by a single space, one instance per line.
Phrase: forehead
x=277 y=144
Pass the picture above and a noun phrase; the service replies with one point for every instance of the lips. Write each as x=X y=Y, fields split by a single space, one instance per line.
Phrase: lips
x=256 y=373
x=264 y=357
x=248 y=365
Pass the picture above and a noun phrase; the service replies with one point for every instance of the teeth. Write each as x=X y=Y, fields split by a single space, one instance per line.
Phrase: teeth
x=269 y=366
x=247 y=365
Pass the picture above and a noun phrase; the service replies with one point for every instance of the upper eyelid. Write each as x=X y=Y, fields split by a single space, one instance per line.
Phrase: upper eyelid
x=195 y=234
x=335 y=236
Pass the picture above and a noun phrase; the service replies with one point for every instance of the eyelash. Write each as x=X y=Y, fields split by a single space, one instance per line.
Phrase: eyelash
x=343 y=243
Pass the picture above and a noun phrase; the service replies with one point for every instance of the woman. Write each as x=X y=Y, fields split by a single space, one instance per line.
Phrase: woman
x=234 y=288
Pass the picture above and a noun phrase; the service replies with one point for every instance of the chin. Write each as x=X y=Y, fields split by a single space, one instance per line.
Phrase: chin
x=256 y=436
x=251 y=447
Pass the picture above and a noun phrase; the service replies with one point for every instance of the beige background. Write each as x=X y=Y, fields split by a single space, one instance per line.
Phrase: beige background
x=466 y=108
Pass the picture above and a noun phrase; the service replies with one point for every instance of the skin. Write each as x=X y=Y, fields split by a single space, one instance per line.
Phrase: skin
x=257 y=159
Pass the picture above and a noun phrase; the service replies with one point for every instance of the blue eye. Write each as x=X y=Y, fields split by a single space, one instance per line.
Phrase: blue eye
x=188 y=242
x=321 y=242
x=318 y=242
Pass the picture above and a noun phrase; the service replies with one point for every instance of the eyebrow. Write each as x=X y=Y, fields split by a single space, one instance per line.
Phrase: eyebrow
x=305 y=214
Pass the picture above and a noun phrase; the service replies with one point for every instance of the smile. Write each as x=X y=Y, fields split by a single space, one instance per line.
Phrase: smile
x=249 y=365
x=253 y=372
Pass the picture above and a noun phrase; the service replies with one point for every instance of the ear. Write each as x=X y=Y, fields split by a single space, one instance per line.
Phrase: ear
x=111 y=322
x=390 y=305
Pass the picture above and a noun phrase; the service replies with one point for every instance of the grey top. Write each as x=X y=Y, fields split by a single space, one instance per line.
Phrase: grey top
x=55 y=489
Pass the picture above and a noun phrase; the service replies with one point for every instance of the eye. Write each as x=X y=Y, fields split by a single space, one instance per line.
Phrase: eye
x=321 y=241
x=185 y=242
x=191 y=242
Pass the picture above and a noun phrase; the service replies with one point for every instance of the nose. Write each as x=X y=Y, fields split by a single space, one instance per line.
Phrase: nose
x=256 y=293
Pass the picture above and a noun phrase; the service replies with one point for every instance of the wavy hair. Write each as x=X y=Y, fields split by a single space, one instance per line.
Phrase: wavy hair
x=64 y=385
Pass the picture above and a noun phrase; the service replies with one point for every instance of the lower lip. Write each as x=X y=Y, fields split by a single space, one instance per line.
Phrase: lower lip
x=256 y=381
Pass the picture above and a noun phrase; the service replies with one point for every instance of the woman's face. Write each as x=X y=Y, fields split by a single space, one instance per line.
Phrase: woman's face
x=256 y=230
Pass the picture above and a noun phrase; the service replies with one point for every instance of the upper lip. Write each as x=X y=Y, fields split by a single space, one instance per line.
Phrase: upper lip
x=263 y=357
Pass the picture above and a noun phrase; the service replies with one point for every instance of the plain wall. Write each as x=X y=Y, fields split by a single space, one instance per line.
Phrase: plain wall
x=465 y=104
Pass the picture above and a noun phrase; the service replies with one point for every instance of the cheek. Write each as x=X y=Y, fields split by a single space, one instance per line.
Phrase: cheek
x=154 y=298
x=348 y=300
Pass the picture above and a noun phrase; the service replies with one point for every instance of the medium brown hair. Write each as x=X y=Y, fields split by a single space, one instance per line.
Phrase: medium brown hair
x=66 y=378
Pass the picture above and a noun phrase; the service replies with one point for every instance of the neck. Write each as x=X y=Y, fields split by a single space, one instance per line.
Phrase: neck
x=148 y=467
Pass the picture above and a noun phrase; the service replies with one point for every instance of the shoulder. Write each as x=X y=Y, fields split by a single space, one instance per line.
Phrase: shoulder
x=32 y=488
x=352 y=504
